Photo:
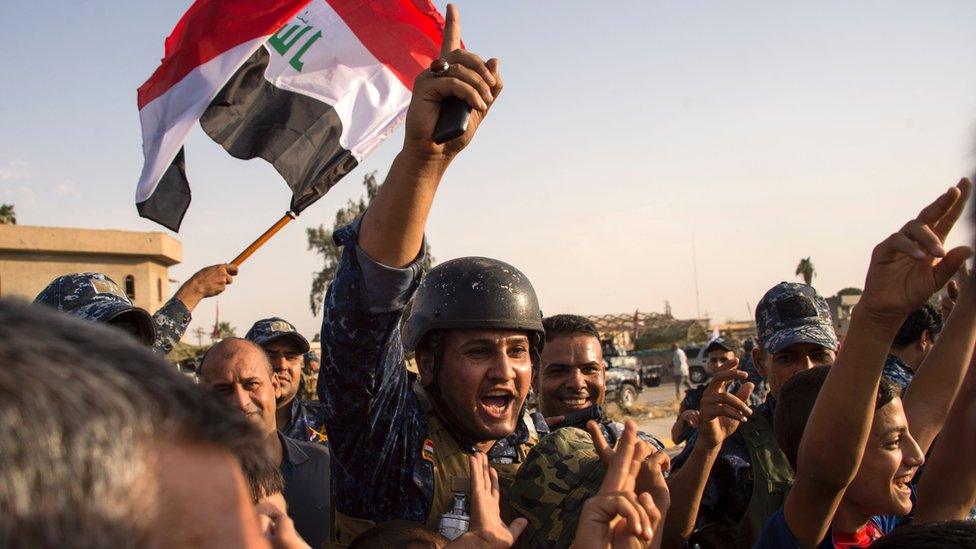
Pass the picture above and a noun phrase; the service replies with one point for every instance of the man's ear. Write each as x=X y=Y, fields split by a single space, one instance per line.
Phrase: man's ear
x=925 y=342
x=425 y=365
x=276 y=385
x=758 y=360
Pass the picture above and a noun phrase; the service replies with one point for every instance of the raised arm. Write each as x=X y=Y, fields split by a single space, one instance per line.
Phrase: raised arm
x=941 y=373
x=393 y=227
x=173 y=318
x=946 y=490
x=373 y=420
x=721 y=414
x=905 y=270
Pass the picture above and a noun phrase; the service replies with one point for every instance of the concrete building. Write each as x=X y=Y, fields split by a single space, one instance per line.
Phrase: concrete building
x=31 y=257
x=841 y=307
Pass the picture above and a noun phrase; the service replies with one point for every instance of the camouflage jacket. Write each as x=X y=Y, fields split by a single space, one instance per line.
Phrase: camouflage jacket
x=377 y=424
x=611 y=429
x=307 y=422
x=898 y=372
x=171 y=321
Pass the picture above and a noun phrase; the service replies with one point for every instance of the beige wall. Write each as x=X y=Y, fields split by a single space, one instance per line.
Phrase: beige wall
x=31 y=257
x=25 y=275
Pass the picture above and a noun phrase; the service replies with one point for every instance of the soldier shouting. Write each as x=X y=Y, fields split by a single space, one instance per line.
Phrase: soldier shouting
x=401 y=443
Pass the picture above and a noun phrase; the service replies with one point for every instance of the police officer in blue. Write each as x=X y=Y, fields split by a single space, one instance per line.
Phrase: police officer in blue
x=286 y=348
x=748 y=476
x=401 y=442
x=96 y=297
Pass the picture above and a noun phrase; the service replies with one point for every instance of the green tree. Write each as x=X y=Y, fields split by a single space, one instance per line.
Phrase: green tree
x=7 y=215
x=320 y=241
x=806 y=269
x=226 y=330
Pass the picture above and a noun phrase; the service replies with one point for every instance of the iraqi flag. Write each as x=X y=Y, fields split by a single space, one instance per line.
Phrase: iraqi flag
x=310 y=86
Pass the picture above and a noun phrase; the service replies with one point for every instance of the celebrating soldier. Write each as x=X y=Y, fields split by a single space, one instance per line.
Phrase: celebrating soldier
x=400 y=442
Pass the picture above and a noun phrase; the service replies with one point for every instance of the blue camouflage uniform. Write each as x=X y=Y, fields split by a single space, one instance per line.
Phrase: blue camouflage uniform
x=898 y=372
x=97 y=298
x=377 y=423
x=307 y=422
x=171 y=322
x=729 y=486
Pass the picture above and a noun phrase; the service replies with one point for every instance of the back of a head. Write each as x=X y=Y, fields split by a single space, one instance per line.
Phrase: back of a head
x=796 y=401
x=81 y=411
x=568 y=325
x=399 y=534
x=924 y=319
x=954 y=534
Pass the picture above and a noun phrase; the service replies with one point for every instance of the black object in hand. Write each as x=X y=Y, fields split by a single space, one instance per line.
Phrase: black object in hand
x=579 y=418
x=452 y=121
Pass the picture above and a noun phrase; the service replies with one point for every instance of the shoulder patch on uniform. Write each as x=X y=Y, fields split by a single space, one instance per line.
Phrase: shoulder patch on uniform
x=427 y=451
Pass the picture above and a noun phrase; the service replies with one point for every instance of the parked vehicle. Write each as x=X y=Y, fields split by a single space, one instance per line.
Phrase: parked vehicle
x=624 y=377
x=652 y=365
x=623 y=386
x=697 y=360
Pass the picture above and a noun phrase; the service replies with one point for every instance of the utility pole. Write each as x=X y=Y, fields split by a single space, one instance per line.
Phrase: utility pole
x=199 y=333
x=694 y=264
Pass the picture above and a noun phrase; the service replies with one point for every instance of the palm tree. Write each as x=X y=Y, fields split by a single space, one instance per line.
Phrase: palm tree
x=7 y=215
x=805 y=269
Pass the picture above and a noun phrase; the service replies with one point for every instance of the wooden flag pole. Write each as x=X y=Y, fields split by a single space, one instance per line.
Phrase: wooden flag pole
x=285 y=219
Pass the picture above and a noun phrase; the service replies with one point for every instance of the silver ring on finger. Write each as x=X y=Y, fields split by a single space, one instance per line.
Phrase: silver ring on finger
x=439 y=67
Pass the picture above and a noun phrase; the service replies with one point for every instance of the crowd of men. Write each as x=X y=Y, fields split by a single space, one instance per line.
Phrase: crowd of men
x=804 y=441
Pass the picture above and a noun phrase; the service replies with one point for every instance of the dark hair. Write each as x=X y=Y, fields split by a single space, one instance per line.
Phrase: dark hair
x=568 y=325
x=924 y=319
x=398 y=534
x=263 y=477
x=953 y=534
x=81 y=410
x=795 y=403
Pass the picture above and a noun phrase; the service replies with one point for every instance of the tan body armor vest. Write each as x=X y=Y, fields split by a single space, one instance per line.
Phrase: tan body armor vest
x=771 y=482
x=451 y=473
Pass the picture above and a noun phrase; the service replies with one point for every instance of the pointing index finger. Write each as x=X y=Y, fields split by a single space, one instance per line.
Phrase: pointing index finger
x=452 y=31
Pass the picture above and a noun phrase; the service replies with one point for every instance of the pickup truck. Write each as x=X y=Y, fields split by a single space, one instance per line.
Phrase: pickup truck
x=623 y=386
x=625 y=376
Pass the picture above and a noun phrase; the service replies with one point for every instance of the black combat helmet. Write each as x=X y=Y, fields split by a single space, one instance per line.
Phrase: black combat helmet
x=474 y=293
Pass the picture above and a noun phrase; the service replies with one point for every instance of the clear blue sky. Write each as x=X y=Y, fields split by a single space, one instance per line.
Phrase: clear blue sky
x=762 y=131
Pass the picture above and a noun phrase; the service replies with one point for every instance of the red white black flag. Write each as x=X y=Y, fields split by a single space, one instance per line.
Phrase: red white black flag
x=310 y=86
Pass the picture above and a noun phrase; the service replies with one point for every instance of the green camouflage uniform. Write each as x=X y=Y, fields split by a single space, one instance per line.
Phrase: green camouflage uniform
x=559 y=474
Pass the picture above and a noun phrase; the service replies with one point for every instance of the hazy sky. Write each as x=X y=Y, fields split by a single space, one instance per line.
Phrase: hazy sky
x=628 y=133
